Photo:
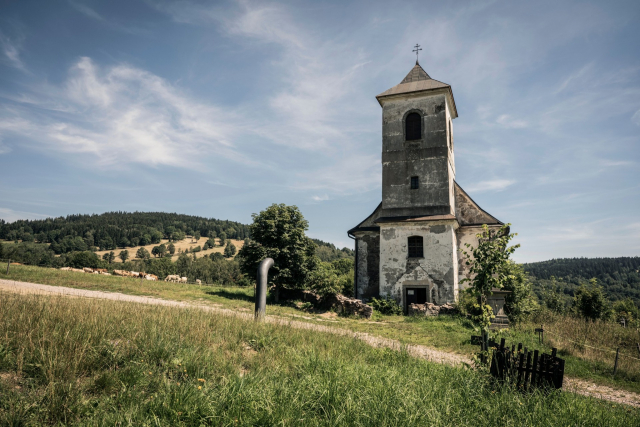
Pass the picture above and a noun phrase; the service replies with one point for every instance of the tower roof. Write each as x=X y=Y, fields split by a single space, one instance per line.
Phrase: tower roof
x=418 y=81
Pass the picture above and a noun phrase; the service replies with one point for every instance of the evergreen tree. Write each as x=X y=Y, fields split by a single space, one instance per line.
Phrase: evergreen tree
x=229 y=250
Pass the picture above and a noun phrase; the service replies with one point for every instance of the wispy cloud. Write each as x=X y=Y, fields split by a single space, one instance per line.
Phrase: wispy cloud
x=86 y=10
x=492 y=185
x=122 y=115
x=11 y=51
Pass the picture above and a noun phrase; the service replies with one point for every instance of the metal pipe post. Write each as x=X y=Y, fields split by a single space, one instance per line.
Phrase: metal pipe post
x=261 y=288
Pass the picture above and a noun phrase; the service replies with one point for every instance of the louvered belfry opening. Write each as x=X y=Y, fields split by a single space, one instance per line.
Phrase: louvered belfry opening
x=413 y=127
x=416 y=247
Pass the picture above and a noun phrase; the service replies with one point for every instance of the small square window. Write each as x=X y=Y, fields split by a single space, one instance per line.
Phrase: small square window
x=415 y=183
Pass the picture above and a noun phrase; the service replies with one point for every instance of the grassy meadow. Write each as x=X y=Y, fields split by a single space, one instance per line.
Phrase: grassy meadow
x=444 y=332
x=89 y=362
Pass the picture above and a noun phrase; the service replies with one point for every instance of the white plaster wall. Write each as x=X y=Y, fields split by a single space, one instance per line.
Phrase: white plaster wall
x=438 y=268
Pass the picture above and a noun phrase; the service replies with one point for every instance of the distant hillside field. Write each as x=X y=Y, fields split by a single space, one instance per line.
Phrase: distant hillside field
x=184 y=245
x=620 y=277
x=117 y=231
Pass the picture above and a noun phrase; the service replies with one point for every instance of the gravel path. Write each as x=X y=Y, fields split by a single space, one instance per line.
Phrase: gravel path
x=577 y=386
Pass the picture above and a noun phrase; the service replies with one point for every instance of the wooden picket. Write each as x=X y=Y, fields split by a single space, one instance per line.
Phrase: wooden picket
x=527 y=369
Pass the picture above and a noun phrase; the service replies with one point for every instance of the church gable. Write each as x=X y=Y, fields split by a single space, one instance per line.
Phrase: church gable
x=468 y=212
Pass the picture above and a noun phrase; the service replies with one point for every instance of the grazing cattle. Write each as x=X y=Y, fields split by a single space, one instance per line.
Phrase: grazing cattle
x=199 y=282
x=183 y=280
x=106 y=273
x=88 y=270
x=77 y=270
x=100 y=270
x=151 y=277
x=66 y=269
x=172 y=278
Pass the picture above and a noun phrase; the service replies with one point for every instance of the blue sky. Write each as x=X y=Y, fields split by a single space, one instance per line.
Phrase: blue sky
x=220 y=109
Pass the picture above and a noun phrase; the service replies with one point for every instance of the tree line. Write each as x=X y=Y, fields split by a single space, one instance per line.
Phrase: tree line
x=112 y=230
x=619 y=277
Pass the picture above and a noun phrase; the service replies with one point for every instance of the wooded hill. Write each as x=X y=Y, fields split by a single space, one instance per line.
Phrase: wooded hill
x=619 y=277
x=113 y=230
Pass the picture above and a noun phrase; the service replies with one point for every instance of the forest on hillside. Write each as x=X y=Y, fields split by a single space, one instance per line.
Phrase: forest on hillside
x=619 y=277
x=112 y=230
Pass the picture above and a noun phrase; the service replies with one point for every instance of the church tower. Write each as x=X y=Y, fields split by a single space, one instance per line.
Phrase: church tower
x=418 y=168
x=407 y=248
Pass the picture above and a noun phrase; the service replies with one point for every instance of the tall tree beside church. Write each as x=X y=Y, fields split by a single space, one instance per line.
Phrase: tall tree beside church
x=489 y=266
x=278 y=232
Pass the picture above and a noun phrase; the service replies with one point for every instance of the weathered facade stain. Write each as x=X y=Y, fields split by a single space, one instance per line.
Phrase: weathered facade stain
x=438 y=210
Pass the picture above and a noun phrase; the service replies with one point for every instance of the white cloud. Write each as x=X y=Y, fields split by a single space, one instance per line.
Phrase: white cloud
x=492 y=185
x=509 y=122
x=123 y=115
x=320 y=198
x=636 y=118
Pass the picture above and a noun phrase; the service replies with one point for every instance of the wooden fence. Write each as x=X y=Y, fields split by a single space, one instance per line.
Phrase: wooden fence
x=526 y=369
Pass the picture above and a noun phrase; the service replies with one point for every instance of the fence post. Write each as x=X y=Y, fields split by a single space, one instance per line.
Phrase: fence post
x=8 y=263
x=615 y=365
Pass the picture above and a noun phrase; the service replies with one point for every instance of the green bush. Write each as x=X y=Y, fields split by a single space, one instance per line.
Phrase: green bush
x=386 y=305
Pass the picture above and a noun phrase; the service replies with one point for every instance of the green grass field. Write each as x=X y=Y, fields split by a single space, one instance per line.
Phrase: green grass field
x=89 y=362
x=444 y=332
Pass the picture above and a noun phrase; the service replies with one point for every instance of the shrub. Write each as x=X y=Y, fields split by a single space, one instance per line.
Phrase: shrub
x=386 y=305
x=590 y=301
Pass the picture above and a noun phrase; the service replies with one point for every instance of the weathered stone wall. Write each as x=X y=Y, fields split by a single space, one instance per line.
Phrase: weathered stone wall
x=467 y=234
x=368 y=268
x=429 y=158
x=438 y=270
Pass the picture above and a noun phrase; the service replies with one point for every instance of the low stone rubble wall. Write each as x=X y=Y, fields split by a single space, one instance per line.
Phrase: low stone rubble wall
x=352 y=307
x=430 y=309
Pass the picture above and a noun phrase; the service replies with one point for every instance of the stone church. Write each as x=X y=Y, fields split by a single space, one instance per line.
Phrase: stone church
x=407 y=248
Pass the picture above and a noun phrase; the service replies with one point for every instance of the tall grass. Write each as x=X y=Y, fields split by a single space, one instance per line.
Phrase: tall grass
x=88 y=362
x=592 y=341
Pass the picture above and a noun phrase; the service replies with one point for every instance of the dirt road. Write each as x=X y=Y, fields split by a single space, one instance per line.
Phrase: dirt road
x=578 y=386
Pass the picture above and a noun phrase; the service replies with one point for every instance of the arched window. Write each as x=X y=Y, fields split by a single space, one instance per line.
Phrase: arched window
x=415 y=247
x=413 y=127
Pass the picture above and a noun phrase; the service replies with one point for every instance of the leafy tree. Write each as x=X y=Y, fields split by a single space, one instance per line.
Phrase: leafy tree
x=142 y=253
x=196 y=236
x=230 y=249
x=331 y=278
x=124 y=255
x=520 y=302
x=171 y=248
x=109 y=257
x=159 y=251
x=490 y=268
x=590 y=301
x=279 y=232
x=223 y=238
x=1 y=251
x=86 y=259
x=552 y=298
x=623 y=309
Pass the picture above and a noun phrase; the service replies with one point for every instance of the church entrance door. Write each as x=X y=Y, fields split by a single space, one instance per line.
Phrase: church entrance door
x=414 y=296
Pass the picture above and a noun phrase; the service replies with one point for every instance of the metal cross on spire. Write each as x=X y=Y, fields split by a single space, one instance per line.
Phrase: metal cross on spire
x=417 y=50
